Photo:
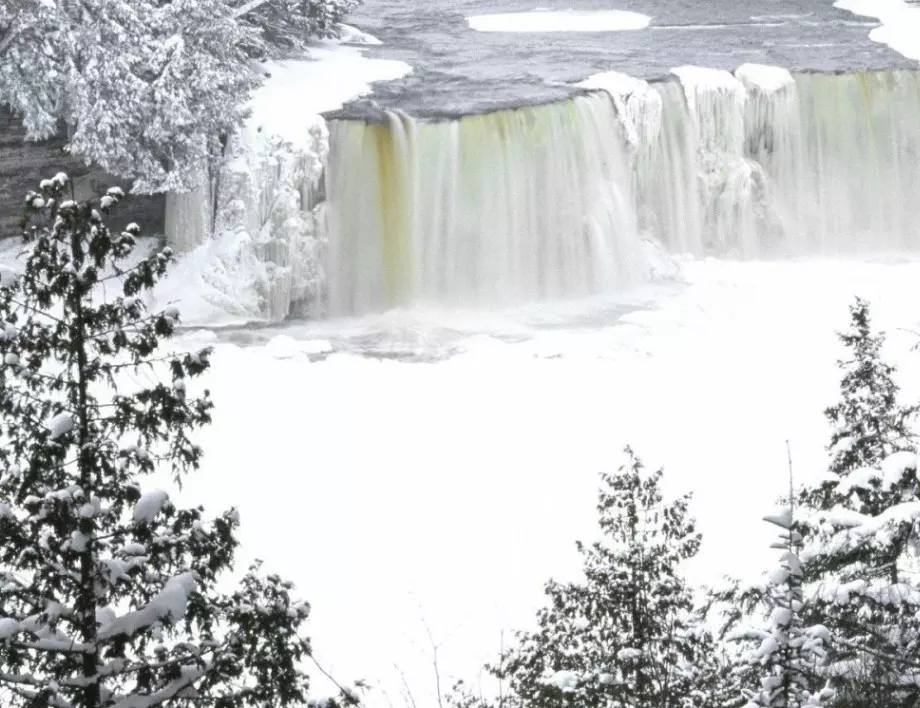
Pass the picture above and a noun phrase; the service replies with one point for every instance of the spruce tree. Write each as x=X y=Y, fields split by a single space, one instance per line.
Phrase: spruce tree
x=110 y=593
x=789 y=654
x=626 y=634
x=868 y=423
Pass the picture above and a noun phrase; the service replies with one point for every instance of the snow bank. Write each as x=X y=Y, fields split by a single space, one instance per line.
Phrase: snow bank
x=705 y=79
x=352 y=35
x=560 y=21
x=900 y=28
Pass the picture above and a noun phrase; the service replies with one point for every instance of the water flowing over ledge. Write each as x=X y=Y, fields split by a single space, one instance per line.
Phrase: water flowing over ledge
x=566 y=199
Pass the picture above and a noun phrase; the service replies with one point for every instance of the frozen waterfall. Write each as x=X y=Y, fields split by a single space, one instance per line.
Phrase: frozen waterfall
x=254 y=227
x=552 y=201
x=560 y=200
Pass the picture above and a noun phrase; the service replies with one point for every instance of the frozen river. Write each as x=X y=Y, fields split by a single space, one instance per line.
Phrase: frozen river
x=459 y=70
x=444 y=486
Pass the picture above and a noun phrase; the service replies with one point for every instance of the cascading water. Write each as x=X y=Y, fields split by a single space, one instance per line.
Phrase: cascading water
x=764 y=163
x=849 y=178
x=510 y=206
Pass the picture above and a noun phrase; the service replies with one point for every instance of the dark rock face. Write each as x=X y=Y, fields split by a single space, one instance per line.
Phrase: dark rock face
x=23 y=164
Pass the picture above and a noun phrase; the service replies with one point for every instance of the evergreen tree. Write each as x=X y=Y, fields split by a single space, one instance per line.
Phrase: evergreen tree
x=868 y=424
x=109 y=593
x=862 y=573
x=625 y=635
x=788 y=654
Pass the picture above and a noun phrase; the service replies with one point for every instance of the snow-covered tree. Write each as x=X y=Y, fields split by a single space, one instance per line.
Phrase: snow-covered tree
x=787 y=654
x=145 y=88
x=868 y=422
x=288 y=23
x=110 y=594
x=626 y=634
x=862 y=571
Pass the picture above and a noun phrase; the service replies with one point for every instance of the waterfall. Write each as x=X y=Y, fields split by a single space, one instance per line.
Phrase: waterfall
x=849 y=177
x=560 y=200
x=764 y=163
x=188 y=216
x=512 y=206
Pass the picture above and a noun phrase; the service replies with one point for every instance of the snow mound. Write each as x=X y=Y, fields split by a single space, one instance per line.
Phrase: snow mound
x=766 y=79
x=296 y=89
x=706 y=78
x=560 y=21
x=900 y=28
x=352 y=35
x=149 y=505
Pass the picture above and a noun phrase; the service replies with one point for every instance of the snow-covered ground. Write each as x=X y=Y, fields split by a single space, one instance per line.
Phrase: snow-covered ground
x=560 y=21
x=900 y=27
x=440 y=495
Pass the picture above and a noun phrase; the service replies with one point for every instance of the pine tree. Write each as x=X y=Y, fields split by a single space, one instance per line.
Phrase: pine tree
x=109 y=593
x=625 y=635
x=789 y=654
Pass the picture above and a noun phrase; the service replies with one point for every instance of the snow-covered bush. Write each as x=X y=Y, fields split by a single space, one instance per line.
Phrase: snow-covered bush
x=109 y=592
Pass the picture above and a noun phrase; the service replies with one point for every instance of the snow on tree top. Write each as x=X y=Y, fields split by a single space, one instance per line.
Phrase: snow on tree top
x=895 y=465
x=565 y=681
x=782 y=519
x=59 y=425
x=9 y=276
x=629 y=654
x=168 y=604
x=149 y=505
